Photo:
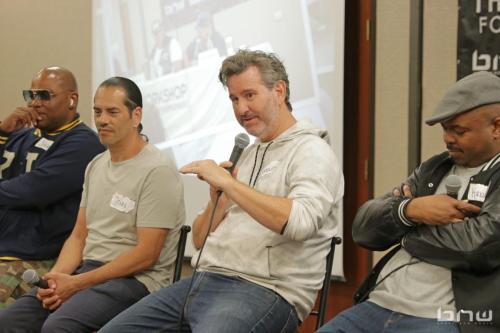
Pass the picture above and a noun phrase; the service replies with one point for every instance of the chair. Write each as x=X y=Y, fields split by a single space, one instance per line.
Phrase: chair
x=185 y=229
x=326 y=284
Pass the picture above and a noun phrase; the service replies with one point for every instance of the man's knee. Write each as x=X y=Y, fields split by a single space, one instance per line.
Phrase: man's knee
x=10 y=322
x=55 y=324
x=4 y=322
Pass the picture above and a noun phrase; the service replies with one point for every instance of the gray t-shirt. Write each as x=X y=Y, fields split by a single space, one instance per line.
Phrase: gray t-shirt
x=419 y=289
x=144 y=191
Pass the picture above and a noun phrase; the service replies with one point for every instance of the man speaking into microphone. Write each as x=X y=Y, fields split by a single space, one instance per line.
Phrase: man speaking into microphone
x=264 y=259
x=444 y=273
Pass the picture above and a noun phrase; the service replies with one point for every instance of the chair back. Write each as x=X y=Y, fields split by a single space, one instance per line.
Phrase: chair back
x=326 y=284
x=181 y=247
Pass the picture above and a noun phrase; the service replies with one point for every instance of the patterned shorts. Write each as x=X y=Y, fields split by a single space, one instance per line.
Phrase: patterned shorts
x=11 y=285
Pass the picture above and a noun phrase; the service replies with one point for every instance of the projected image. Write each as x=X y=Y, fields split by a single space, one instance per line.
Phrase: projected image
x=173 y=50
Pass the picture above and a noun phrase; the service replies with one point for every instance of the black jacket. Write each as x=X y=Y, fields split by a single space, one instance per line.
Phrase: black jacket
x=470 y=249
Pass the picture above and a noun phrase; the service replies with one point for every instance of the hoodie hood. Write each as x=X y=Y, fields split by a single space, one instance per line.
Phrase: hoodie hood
x=301 y=127
x=300 y=131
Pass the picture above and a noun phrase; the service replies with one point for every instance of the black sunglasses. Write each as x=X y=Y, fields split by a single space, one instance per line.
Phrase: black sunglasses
x=32 y=94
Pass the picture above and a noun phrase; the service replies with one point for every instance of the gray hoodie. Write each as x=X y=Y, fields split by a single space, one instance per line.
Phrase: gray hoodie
x=300 y=165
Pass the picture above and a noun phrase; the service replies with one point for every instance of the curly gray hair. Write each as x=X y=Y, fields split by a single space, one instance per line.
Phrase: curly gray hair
x=270 y=66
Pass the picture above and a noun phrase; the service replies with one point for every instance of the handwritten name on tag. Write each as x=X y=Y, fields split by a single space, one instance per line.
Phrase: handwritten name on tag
x=122 y=203
x=269 y=168
x=477 y=192
x=44 y=144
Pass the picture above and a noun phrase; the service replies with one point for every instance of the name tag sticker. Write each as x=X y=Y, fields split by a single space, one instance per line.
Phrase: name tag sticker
x=269 y=168
x=122 y=203
x=477 y=192
x=44 y=144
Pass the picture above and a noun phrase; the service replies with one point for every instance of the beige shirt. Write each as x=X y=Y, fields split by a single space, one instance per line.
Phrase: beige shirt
x=145 y=191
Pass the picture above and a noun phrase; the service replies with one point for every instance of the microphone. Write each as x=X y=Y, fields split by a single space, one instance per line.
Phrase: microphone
x=241 y=141
x=453 y=185
x=30 y=276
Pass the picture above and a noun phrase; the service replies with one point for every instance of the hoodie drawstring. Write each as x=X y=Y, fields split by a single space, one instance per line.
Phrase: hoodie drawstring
x=255 y=164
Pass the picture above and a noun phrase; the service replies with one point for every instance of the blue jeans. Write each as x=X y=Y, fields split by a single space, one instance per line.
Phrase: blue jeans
x=86 y=311
x=368 y=317
x=216 y=304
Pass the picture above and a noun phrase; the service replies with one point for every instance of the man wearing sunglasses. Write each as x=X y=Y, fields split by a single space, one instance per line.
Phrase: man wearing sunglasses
x=44 y=149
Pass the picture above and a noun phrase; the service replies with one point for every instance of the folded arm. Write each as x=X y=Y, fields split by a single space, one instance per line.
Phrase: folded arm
x=472 y=244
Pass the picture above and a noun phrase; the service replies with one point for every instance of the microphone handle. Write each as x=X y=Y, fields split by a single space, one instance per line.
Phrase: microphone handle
x=235 y=156
x=42 y=284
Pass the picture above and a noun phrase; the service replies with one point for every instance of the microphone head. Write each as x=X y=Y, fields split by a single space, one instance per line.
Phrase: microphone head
x=453 y=184
x=30 y=276
x=241 y=140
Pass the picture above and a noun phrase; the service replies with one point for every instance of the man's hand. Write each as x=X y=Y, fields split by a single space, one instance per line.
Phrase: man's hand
x=209 y=171
x=47 y=296
x=63 y=286
x=438 y=210
x=20 y=118
x=406 y=191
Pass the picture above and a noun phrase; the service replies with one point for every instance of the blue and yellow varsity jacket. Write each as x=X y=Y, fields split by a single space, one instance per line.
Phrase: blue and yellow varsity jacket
x=41 y=178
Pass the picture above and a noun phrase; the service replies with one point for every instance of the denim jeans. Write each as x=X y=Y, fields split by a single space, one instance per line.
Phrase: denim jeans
x=216 y=304
x=368 y=317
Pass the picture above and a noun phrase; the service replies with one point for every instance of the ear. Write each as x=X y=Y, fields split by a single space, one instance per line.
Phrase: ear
x=73 y=101
x=496 y=127
x=137 y=116
x=280 y=90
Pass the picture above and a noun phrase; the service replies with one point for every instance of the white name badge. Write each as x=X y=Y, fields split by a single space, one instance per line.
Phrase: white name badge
x=122 y=203
x=44 y=144
x=269 y=168
x=477 y=192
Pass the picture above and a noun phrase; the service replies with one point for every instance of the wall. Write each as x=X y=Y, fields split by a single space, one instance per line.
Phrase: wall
x=391 y=93
x=392 y=59
x=439 y=70
x=35 y=34
x=392 y=83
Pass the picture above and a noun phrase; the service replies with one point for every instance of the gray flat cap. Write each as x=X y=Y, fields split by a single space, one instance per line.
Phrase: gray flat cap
x=474 y=90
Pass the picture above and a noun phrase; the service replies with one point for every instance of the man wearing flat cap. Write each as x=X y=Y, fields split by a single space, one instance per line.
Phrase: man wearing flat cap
x=443 y=275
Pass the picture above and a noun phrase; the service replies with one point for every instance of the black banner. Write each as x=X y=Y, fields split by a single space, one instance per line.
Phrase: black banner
x=478 y=47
